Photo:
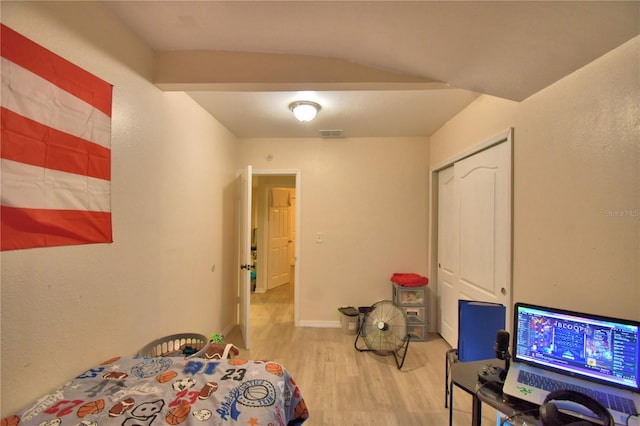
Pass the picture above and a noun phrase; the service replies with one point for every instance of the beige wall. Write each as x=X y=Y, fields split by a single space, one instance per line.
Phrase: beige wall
x=576 y=184
x=576 y=200
x=368 y=196
x=173 y=168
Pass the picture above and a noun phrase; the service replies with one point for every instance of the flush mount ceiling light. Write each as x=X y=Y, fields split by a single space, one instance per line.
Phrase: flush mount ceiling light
x=304 y=110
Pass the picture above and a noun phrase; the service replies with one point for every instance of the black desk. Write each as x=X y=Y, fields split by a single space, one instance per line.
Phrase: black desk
x=464 y=375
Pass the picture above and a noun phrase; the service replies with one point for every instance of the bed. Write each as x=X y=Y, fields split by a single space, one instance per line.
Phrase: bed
x=170 y=390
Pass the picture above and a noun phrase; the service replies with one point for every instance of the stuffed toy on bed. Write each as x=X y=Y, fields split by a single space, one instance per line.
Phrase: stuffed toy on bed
x=221 y=351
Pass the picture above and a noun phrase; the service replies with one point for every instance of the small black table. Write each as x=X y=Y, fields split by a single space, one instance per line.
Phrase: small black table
x=464 y=375
x=517 y=411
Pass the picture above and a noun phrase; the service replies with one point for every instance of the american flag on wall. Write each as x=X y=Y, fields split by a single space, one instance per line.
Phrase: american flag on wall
x=55 y=153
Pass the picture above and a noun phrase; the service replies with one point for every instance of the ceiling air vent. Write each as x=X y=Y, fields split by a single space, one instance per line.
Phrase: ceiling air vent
x=330 y=133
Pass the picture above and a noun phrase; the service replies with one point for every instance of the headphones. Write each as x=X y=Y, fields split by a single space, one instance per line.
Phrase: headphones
x=551 y=416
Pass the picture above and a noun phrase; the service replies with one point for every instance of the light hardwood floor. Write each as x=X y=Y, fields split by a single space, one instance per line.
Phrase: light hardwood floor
x=342 y=386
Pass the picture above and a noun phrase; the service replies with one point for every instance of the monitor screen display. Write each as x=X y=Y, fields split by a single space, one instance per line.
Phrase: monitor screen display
x=589 y=346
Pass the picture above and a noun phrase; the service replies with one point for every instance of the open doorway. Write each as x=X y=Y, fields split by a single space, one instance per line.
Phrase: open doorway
x=273 y=245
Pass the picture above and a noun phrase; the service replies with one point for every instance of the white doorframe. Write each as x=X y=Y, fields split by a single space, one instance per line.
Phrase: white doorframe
x=504 y=136
x=297 y=174
x=263 y=205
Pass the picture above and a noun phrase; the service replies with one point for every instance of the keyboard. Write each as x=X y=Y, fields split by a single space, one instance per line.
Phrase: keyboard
x=612 y=402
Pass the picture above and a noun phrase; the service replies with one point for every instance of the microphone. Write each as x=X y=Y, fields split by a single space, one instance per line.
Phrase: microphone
x=501 y=348
x=494 y=377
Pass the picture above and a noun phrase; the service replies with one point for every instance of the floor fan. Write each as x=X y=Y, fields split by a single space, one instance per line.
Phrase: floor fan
x=384 y=331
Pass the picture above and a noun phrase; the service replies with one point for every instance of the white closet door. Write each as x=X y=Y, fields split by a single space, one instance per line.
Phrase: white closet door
x=475 y=261
x=447 y=256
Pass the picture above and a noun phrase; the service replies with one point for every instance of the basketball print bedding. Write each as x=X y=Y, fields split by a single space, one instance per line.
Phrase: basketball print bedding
x=174 y=391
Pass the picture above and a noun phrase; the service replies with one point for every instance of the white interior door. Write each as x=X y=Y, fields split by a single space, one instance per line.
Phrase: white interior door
x=278 y=269
x=475 y=264
x=244 y=252
x=292 y=229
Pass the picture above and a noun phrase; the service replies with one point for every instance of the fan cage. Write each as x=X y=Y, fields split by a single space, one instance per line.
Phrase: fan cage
x=384 y=328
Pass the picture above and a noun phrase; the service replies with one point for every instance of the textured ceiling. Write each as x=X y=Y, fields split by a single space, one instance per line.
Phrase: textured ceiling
x=378 y=68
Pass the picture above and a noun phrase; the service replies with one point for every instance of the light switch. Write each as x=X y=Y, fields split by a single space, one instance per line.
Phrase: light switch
x=319 y=237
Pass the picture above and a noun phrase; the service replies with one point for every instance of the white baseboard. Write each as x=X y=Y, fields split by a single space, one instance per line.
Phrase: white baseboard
x=320 y=324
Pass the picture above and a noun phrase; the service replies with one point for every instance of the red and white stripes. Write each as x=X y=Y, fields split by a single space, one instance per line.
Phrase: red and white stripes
x=55 y=157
